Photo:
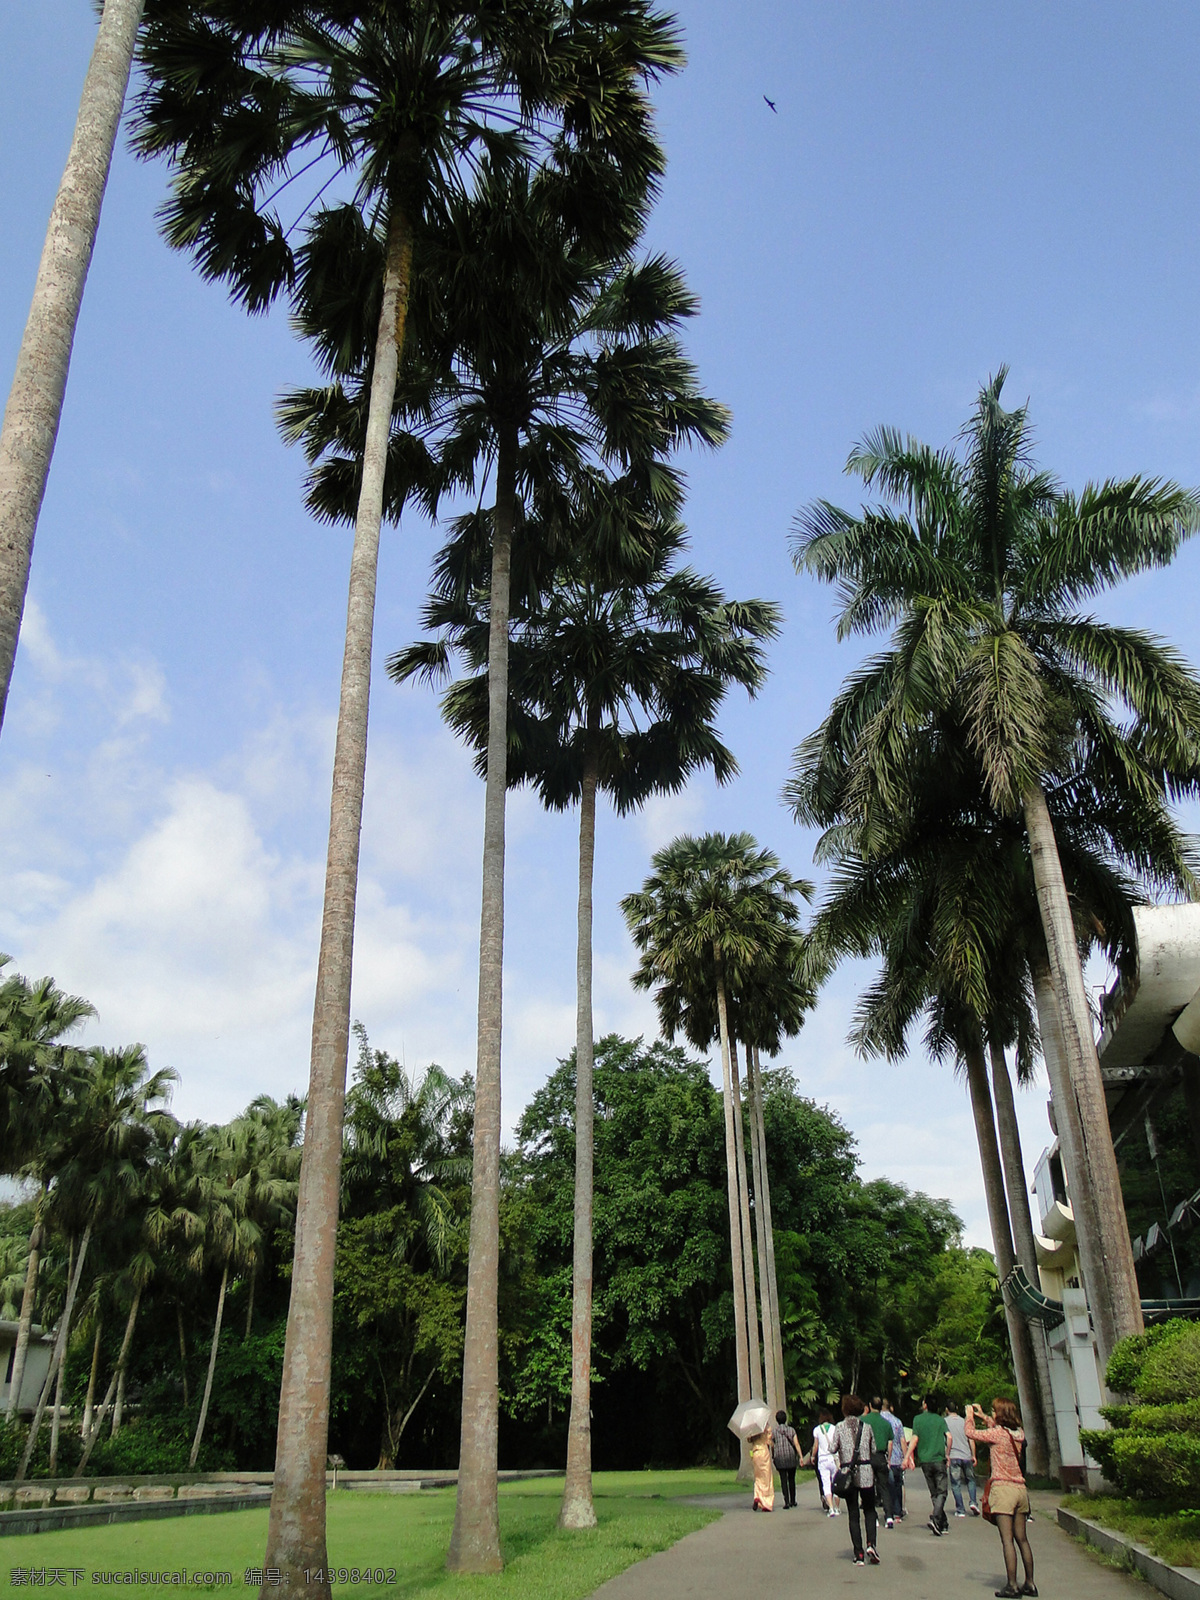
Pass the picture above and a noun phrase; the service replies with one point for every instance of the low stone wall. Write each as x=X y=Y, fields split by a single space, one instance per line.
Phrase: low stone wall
x=1179 y=1583
x=41 y=1505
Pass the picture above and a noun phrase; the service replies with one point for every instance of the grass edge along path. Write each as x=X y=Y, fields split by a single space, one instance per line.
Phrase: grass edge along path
x=1171 y=1535
x=402 y=1538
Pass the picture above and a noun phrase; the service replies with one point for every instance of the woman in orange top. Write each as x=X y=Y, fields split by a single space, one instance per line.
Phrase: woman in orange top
x=1007 y=1496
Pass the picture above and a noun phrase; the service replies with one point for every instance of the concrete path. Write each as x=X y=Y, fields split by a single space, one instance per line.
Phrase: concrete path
x=790 y=1555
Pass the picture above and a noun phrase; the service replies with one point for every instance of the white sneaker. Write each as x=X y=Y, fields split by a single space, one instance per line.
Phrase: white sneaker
x=833 y=1513
x=960 y=1513
x=889 y=1523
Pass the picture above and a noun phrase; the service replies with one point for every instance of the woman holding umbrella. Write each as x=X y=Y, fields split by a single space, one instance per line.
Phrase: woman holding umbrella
x=752 y=1422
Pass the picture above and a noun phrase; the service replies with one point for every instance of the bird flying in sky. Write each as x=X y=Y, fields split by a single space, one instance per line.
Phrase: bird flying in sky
x=771 y=103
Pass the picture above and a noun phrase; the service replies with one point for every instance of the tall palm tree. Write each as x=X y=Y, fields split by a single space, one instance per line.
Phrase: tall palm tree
x=34 y=1069
x=563 y=360
x=946 y=894
x=399 y=100
x=712 y=908
x=116 y=1106
x=977 y=563
x=614 y=682
x=35 y=400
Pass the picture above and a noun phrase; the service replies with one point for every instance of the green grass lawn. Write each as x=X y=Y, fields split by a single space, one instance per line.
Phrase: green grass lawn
x=1171 y=1535
x=638 y=1512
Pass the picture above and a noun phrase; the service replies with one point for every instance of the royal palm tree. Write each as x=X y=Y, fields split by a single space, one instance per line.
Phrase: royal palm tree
x=614 y=683
x=947 y=896
x=35 y=400
x=977 y=562
x=711 y=908
x=399 y=101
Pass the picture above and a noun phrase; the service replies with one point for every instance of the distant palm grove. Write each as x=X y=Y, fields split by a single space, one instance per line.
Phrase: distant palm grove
x=451 y=205
x=182 y=1304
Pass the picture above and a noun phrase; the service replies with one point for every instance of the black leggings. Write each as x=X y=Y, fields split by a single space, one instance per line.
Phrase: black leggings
x=787 y=1482
x=867 y=1497
x=1013 y=1538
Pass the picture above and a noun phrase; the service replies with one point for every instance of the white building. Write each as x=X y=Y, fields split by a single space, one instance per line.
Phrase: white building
x=1151 y=1071
x=37 y=1364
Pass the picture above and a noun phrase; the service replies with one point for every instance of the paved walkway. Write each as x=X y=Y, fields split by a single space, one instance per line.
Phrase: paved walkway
x=789 y=1555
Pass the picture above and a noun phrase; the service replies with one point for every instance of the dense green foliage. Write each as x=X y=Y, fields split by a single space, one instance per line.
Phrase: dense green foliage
x=1152 y=1450
x=875 y=1287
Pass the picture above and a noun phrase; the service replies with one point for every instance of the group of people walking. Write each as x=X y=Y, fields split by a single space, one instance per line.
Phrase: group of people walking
x=861 y=1461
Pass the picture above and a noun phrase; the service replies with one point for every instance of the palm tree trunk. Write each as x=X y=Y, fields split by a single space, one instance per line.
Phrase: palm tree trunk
x=250 y=1301
x=212 y=1367
x=59 y=1356
x=25 y=1325
x=577 y=1508
x=35 y=400
x=760 y=1238
x=114 y=1385
x=475 y=1540
x=1113 y=1292
x=1022 y=1227
x=752 y=1344
x=89 y=1405
x=745 y=1465
x=119 y=1407
x=56 y=1416
x=768 y=1233
x=296 y=1531
x=182 y=1353
x=993 y=1188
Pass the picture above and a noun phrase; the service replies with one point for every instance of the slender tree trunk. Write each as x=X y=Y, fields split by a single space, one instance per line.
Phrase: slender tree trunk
x=1022 y=1227
x=752 y=1345
x=768 y=1233
x=250 y=1301
x=182 y=1353
x=212 y=1367
x=114 y=1385
x=56 y=1416
x=475 y=1540
x=1107 y=1258
x=89 y=1405
x=59 y=1356
x=39 y=383
x=745 y=1466
x=760 y=1237
x=25 y=1325
x=296 y=1532
x=577 y=1508
x=993 y=1186
x=119 y=1407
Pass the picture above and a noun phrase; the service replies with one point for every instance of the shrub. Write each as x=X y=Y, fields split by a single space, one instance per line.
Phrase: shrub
x=1157 y=1466
x=1182 y=1416
x=1124 y=1371
x=1171 y=1371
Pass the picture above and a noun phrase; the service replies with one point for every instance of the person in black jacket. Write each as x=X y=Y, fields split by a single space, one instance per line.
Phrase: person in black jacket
x=785 y=1451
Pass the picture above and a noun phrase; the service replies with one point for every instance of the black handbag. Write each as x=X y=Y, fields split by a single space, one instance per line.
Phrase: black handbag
x=845 y=1478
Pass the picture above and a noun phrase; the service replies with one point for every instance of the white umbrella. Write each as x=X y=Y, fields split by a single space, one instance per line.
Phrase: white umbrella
x=751 y=1417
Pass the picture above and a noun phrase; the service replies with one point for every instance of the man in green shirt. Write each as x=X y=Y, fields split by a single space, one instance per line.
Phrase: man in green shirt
x=929 y=1449
x=879 y=1458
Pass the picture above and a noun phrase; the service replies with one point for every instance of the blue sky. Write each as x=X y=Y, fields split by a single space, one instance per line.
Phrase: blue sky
x=942 y=189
